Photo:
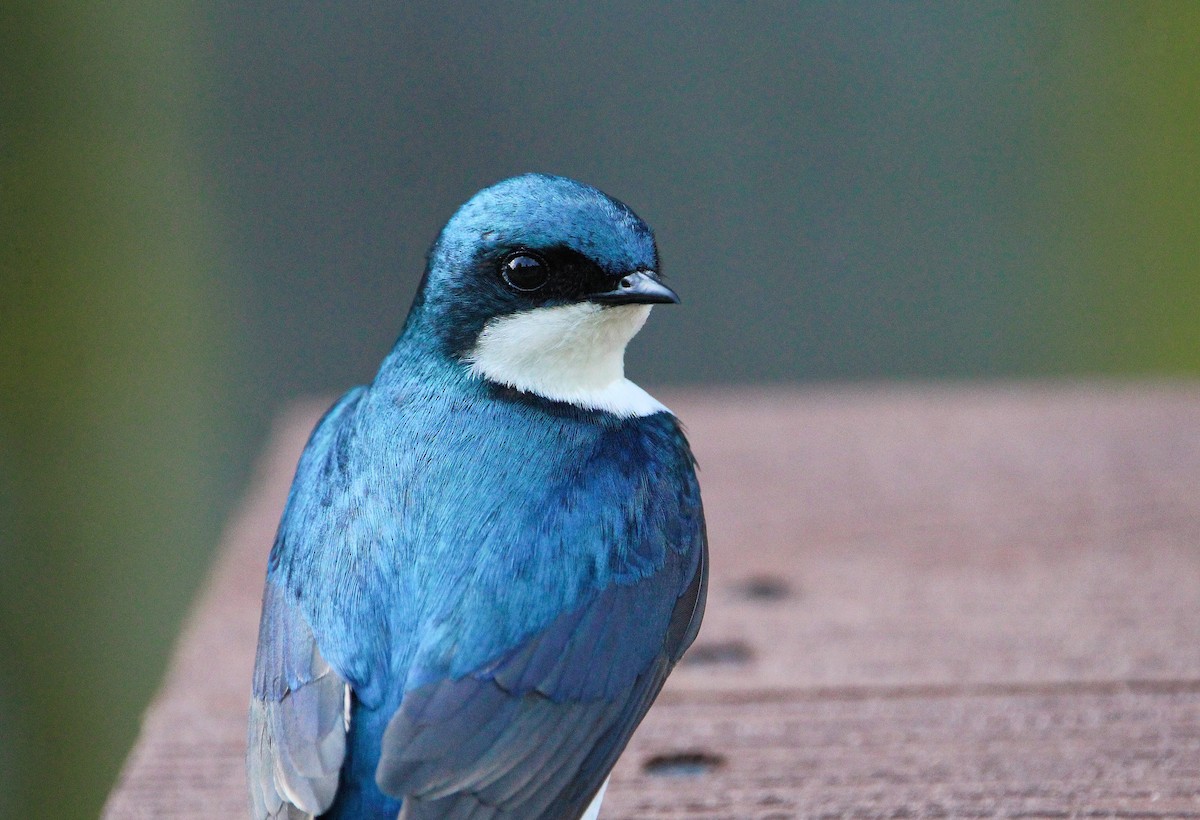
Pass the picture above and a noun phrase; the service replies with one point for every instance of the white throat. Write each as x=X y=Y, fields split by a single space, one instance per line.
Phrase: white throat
x=571 y=353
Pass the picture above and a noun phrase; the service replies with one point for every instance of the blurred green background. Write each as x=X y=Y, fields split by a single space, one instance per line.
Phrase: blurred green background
x=208 y=209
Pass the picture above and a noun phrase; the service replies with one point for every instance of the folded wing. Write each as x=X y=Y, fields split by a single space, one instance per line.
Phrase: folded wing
x=535 y=734
x=298 y=717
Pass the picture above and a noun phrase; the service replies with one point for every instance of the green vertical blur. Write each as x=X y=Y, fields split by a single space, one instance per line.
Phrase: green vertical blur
x=1118 y=96
x=112 y=401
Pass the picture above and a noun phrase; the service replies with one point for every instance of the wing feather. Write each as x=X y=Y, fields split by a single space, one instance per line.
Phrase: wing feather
x=297 y=730
x=536 y=734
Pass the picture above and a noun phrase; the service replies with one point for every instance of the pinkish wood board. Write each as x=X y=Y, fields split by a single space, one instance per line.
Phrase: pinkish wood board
x=926 y=601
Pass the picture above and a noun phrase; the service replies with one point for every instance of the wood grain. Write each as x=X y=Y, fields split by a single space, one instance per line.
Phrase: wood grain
x=927 y=601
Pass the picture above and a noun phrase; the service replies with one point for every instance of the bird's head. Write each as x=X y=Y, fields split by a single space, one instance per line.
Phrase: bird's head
x=538 y=283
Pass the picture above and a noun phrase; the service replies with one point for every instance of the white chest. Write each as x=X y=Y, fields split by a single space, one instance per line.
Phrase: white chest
x=570 y=353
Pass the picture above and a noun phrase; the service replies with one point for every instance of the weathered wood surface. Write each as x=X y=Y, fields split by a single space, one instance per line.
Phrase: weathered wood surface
x=975 y=601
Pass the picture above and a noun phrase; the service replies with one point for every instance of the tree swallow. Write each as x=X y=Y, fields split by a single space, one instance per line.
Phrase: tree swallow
x=494 y=554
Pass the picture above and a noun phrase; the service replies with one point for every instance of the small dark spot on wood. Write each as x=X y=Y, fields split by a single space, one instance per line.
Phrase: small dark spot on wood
x=731 y=653
x=682 y=764
x=765 y=588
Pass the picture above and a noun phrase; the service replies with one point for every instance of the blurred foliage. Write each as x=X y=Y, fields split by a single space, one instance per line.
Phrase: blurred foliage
x=846 y=191
x=1117 y=106
x=113 y=399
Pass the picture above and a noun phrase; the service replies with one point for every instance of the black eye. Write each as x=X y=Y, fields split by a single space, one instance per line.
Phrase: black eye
x=525 y=271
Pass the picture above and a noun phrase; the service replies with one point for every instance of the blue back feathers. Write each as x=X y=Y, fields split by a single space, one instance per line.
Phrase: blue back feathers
x=467 y=522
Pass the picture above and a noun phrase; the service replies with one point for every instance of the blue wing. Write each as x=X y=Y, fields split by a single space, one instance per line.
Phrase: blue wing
x=298 y=716
x=299 y=712
x=535 y=735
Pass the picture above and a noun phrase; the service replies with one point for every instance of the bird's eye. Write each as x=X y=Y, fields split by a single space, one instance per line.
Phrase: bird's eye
x=525 y=271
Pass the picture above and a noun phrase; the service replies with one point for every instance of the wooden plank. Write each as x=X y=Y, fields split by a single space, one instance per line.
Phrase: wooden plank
x=926 y=601
x=1058 y=752
x=942 y=535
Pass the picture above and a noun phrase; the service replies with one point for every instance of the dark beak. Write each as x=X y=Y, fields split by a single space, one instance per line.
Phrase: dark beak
x=638 y=288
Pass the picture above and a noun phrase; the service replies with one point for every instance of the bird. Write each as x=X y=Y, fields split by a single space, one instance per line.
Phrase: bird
x=493 y=554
